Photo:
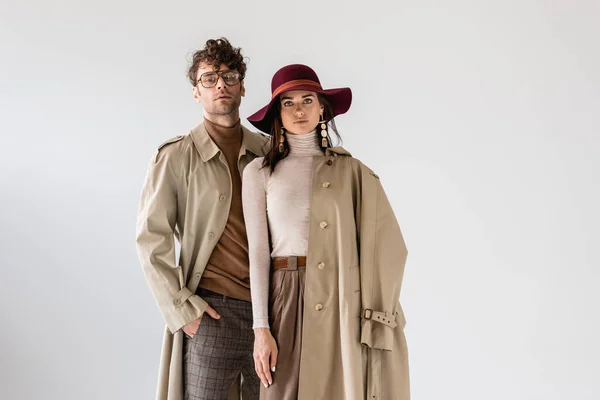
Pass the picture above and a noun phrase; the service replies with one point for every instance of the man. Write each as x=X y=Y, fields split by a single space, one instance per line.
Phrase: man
x=193 y=192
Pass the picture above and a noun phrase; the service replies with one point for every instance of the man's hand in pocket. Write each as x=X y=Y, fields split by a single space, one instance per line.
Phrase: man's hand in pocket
x=191 y=328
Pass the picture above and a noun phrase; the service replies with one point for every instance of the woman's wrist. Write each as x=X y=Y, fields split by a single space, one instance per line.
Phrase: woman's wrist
x=261 y=331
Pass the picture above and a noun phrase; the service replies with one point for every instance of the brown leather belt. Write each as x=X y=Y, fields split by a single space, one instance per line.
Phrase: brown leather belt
x=289 y=262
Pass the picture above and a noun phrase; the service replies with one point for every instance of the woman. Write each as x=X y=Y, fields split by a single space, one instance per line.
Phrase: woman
x=326 y=256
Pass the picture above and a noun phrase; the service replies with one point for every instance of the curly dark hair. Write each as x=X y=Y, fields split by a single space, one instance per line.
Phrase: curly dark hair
x=217 y=52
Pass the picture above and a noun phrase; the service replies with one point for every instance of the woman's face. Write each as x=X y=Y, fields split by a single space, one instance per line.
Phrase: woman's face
x=300 y=111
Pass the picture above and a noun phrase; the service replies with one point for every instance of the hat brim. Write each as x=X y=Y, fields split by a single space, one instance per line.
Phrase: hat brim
x=339 y=98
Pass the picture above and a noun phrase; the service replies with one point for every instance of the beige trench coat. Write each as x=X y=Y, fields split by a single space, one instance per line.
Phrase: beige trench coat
x=353 y=344
x=186 y=195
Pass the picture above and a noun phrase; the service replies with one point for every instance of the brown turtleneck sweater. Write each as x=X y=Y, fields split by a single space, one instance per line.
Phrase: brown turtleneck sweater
x=227 y=271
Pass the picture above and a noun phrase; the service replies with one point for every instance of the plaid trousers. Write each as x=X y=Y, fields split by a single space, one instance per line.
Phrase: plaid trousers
x=221 y=349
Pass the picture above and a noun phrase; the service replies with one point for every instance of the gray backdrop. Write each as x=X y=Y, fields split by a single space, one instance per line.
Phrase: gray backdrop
x=482 y=119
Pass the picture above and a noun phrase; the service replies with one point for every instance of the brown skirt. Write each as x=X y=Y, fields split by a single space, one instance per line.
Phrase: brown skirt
x=285 y=317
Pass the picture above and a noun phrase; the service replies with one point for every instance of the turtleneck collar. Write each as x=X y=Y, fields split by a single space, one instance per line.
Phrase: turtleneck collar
x=303 y=145
x=224 y=134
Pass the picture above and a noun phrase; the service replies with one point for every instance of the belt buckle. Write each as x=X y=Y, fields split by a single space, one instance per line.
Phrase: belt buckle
x=367 y=313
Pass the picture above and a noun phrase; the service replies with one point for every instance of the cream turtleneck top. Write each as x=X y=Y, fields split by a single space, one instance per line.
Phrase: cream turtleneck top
x=278 y=204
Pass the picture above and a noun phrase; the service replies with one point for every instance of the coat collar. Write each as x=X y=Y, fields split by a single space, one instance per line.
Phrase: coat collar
x=337 y=151
x=207 y=148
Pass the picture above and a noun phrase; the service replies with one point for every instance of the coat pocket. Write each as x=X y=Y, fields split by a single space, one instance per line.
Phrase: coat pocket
x=277 y=284
x=354 y=290
x=276 y=301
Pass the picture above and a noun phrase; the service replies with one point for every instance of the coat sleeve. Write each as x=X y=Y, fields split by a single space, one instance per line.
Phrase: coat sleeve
x=383 y=257
x=156 y=228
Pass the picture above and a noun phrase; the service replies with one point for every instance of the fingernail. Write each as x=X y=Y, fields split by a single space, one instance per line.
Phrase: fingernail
x=273 y=369
x=270 y=383
x=265 y=385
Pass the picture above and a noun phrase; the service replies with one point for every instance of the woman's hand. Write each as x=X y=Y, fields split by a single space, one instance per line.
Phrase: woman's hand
x=265 y=355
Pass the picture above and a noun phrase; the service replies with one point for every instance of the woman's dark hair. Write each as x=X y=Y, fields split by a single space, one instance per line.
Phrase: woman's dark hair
x=274 y=156
x=217 y=52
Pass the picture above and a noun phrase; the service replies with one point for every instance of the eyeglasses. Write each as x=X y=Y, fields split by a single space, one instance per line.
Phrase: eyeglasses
x=230 y=77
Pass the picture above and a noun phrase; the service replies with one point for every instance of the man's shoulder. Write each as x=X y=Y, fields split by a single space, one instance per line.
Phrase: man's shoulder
x=171 y=141
x=172 y=146
x=257 y=141
x=263 y=137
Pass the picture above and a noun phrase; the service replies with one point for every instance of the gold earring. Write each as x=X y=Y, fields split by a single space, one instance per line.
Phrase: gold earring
x=281 y=140
x=324 y=142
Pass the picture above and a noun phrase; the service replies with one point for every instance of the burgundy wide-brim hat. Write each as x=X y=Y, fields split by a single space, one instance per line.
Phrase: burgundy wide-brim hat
x=298 y=77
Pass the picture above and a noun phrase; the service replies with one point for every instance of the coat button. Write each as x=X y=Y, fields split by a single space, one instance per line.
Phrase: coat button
x=198 y=276
x=211 y=235
x=325 y=184
x=329 y=162
x=323 y=224
x=222 y=197
x=177 y=302
x=321 y=265
x=319 y=307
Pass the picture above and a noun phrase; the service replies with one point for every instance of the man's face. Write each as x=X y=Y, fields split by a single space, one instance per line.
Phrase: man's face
x=222 y=98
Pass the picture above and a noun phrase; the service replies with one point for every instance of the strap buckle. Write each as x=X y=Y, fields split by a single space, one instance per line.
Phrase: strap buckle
x=367 y=313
